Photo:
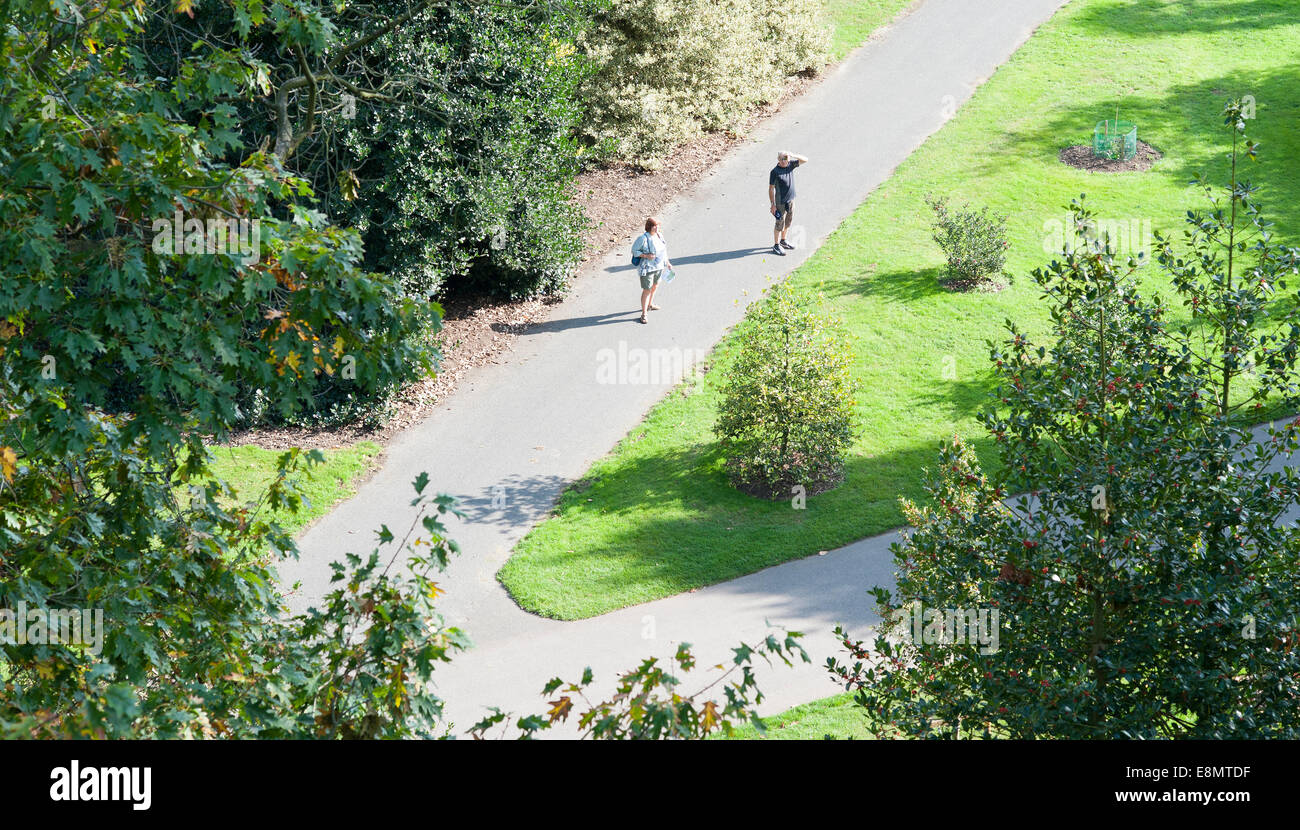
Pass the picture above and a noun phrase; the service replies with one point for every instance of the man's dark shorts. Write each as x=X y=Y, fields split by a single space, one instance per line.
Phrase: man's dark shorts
x=787 y=213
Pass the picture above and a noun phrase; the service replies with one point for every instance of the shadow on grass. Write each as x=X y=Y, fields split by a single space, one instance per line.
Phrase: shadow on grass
x=1186 y=125
x=961 y=398
x=680 y=525
x=898 y=286
x=1151 y=19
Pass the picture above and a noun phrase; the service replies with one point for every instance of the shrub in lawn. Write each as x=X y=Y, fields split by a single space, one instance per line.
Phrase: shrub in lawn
x=1147 y=589
x=787 y=401
x=974 y=241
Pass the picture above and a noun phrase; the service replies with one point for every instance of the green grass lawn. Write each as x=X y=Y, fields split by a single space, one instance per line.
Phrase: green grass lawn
x=853 y=21
x=251 y=469
x=657 y=517
x=833 y=717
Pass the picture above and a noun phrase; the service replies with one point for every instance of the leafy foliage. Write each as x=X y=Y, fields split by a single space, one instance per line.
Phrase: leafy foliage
x=202 y=647
x=646 y=704
x=787 y=401
x=665 y=70
x=975 y=242
x=466 y=184
x=362 y=665
x=99 y=165
x=119 y=350
x=443 y=131
x=1145 y=583
x=1231 y=279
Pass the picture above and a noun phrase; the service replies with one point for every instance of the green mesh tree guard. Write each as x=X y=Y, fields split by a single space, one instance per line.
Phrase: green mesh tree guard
x=1115 y=139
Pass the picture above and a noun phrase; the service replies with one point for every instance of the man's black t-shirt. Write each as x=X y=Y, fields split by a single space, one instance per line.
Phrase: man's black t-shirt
x=783 y=178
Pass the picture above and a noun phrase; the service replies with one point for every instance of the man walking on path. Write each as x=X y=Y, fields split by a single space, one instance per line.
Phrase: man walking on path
x=780 y=193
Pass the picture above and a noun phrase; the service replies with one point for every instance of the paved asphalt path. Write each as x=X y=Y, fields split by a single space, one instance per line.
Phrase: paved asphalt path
x=521 y=431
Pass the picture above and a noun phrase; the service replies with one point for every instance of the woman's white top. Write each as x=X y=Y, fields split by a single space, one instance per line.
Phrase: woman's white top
x=651 y=243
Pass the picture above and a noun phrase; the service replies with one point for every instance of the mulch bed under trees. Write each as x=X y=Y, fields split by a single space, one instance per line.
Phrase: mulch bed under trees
x=984 y=285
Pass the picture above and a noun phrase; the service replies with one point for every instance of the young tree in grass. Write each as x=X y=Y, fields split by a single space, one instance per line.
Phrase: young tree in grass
x=1229 y=277
x=786 y=415
x=1144 y=585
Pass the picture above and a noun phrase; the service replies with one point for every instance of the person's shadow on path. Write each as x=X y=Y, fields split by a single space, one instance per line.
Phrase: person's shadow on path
x=583 y=322
x=634 y=316
x=699 y=259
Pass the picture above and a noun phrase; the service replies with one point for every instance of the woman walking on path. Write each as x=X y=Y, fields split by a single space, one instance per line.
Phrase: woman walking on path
x=650 y=252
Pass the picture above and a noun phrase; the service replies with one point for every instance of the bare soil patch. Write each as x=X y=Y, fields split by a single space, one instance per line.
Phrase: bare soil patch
x=988 y=285
x=1080 y=156
x=764 y=490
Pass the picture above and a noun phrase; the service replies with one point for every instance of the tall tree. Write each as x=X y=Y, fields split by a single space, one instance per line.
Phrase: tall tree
x=143 y=282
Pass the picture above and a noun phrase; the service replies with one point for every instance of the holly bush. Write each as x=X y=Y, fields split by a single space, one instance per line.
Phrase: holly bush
x=786 y=416
x=974 y=241
x=1144 y=579
x=469 y=188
